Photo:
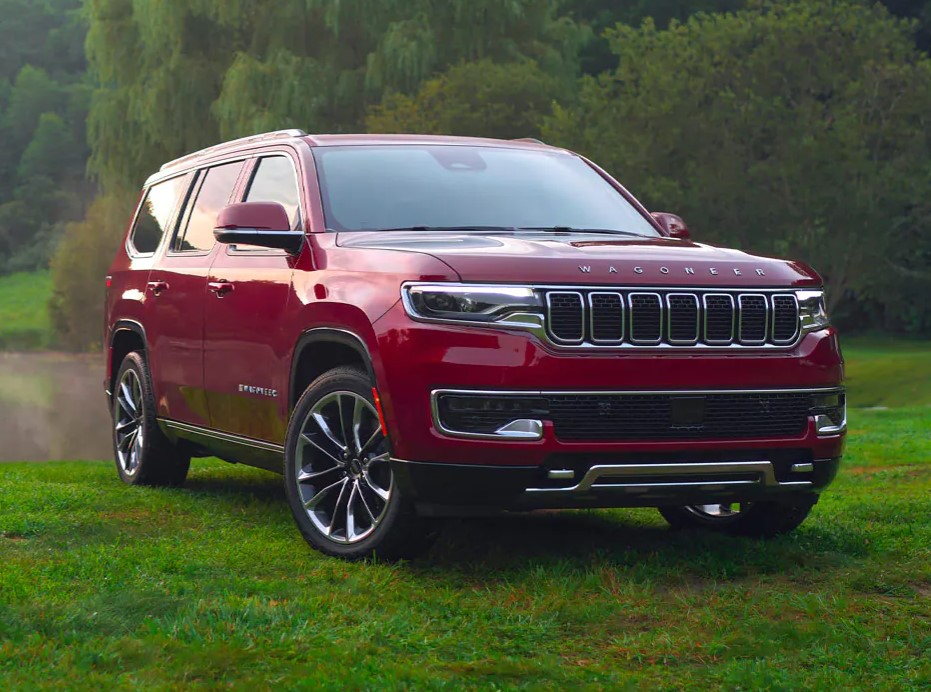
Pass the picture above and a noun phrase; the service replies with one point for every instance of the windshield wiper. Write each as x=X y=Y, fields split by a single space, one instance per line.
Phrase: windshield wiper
x=570 y=229
x=453 y=229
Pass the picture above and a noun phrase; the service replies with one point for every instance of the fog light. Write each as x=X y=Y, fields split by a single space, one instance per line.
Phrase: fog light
x=830 y=412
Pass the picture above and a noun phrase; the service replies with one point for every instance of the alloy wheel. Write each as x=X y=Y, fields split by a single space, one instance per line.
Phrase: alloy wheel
x=343 y=470
x=129 y=422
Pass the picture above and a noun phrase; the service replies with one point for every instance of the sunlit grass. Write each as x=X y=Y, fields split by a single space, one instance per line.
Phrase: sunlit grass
x=110 y=586
x=24 y=321
x=887 y=372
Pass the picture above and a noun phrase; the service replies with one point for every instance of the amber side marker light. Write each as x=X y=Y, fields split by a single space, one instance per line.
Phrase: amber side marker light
x=381 y=415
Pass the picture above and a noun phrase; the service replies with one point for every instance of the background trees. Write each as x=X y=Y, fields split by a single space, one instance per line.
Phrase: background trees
x=799 y=129
x=43 y=107
x=795 y=128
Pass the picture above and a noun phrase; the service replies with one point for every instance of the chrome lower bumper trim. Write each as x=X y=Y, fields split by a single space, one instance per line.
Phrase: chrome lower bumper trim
x=707 y=475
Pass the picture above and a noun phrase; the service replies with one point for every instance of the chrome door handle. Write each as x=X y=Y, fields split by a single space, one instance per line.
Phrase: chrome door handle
x=221 y=288
x=157 y=286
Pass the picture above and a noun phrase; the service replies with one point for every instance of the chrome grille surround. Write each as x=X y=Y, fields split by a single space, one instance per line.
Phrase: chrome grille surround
x=756 y=317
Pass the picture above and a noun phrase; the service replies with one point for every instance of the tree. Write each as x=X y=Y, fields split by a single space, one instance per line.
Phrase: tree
x=796 y=128
x=179 y=76
x=474 y=99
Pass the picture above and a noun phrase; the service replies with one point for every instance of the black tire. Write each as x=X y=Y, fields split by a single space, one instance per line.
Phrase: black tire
x=756 y=519
x=393 y=532
x=156 y=460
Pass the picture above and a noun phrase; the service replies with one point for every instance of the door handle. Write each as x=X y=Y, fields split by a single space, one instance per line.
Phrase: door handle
x=157 y=286
x=221 y=288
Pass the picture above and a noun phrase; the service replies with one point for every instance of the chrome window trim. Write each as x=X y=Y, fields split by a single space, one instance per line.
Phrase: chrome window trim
x=549 y=319
x=740 y=326
x=798 y=319
x=630 y=313
x=698 y=308
x=719 y=342
x=591 y=316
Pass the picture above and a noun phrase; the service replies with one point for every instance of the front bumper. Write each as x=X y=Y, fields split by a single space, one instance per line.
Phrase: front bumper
x=413 y=359
x=453 y=489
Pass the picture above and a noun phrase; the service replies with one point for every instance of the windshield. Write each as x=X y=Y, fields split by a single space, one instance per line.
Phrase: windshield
x=370 y=188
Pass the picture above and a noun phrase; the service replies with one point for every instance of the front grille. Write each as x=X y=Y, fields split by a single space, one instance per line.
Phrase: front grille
x=643 y=416
x=578 y=417
x=671 y=318
x=566 y=315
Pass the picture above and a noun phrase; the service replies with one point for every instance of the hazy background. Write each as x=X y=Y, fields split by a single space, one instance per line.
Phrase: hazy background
x=797 y=128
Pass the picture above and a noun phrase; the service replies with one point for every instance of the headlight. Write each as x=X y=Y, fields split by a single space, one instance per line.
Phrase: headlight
x=487 y=304
x=811 y=311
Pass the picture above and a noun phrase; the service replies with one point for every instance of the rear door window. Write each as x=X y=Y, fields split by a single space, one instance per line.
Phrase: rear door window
x=155 y=214
x=213 y=190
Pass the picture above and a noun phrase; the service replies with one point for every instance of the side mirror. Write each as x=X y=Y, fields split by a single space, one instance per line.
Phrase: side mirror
x=673 y=225
x=265 y=224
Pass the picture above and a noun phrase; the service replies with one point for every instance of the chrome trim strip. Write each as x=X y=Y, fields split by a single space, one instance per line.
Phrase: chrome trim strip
x=521 y=429
x=501 y=434
x=630 y=303
x=535 y=323
x=802 y=468
x=698 y=307
x=591 y=316
x=632 y=392
x=222 y=436
x=766 y=476
x=718 y=342
x=549 y=318
x=798 y=319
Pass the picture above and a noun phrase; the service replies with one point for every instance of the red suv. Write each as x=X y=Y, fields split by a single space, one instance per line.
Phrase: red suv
x=412 y=327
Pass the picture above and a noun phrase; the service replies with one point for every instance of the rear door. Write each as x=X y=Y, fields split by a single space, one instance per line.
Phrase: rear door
x=177 y=289
x=246 y=353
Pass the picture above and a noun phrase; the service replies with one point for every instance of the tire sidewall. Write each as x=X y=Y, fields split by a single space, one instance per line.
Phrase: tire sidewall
x=339 y=379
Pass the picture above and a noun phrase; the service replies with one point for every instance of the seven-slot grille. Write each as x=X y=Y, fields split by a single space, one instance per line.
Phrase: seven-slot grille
x=670 y=317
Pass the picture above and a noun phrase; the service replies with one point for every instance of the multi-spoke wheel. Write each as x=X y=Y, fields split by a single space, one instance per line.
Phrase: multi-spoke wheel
x=338 y=473
x=762 y=518
x=144 y=456
x=128 y=423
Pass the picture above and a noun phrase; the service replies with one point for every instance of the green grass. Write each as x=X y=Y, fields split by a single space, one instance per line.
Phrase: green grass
x=24 y=320
x=886 y=372
x=102 y=585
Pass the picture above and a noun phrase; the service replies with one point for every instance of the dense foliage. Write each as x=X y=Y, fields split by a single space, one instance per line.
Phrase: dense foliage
x=800 y=130
x=794 y=128
x=43 y=106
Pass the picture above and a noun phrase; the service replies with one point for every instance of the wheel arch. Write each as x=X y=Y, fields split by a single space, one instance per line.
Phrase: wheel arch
x=127 y=336
x=321 y=349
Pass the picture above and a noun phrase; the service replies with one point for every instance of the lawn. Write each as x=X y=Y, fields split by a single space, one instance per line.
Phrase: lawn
x=24 y=321
x=103 y=585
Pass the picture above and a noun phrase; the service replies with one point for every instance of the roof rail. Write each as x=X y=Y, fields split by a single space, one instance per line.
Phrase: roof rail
x=216 y=148
x=528 y=139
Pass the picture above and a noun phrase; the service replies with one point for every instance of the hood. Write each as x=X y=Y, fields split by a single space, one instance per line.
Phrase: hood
x=588 y=258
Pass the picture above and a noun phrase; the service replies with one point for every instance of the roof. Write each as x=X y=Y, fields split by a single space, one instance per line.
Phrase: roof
x=377 y=139
x=286 y=136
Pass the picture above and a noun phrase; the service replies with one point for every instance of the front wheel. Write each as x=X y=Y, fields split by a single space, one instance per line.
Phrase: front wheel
x=338 y=476
x=759 y=519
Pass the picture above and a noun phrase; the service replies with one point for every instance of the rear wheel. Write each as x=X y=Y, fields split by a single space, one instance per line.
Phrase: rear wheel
x=761 y=519
x=143 y=455
x=338 y=475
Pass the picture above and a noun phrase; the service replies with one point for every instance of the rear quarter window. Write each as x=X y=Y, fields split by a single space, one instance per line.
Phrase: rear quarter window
x=155 y=214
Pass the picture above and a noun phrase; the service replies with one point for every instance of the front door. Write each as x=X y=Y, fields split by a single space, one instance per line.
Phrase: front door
x=178 y=290
x=246 y=357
